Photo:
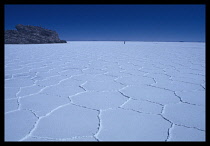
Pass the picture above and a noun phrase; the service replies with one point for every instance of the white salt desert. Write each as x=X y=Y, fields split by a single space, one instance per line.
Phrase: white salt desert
x=105 y=91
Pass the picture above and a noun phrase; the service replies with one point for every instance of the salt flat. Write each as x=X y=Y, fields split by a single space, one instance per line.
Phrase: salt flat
x=105 y=91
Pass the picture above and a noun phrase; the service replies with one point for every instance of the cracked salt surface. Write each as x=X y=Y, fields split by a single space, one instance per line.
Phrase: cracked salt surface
x=67 y=122
x=105 y=91
x=126 y=125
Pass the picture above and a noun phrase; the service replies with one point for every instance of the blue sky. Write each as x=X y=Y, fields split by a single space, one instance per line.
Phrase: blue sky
x=113 y=22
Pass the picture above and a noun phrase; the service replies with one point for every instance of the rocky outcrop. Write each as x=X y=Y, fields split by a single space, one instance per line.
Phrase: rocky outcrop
x=27 y=34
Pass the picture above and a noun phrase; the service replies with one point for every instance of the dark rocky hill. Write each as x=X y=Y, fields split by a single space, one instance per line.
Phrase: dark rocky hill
x=27 y=34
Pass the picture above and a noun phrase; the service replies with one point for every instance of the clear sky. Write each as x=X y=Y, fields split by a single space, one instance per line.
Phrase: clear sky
x=113 y=22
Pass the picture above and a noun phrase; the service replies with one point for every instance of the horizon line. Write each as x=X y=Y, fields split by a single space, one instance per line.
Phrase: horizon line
x=135 y=41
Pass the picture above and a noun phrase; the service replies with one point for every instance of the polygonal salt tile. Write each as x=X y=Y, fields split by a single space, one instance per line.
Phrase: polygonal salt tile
x=103 y=77
x=29 y=90
x=128 y=67
x=18 y=124
x=50 y=81
x=180 y=133
x=158 y=77
x=42 y=104
x=126 y=125
x=143 y=106
x=192 y=71
x=171 y=71
x=12 y=67
x=19 y=82
x=135 y=72
x=10 y=105
x=182 y=86
x=151 y=70
x=41 y=69
x=36 y=65
x=103 y=86
x=178 y=86
x=193 y=97
x=189 y=79
x=186 y=114
x=10 y=92
x=25 y=75
x=76 y=64
x=38 y=78
x=118 y=73
x=71 y=82
x=68 y=121
x=47 y=74
x=150 y=93
x=55 y=68
x=98 y=64
x=84 y=77
x=70 y=72
x=63 y=91
x=112 y=68
x=99 y=100
x=135 y=80
x=18 y=71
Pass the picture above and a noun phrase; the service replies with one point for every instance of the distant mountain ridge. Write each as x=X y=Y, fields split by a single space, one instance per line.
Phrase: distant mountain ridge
x=27 y=34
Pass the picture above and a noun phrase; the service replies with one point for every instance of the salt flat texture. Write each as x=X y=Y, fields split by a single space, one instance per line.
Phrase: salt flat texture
x=105 y=91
